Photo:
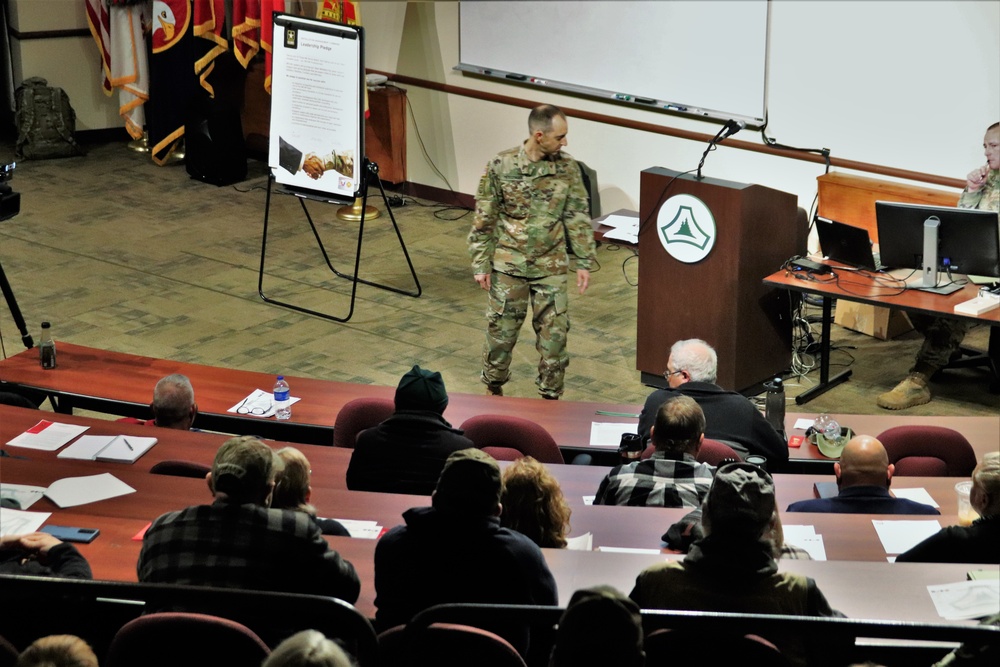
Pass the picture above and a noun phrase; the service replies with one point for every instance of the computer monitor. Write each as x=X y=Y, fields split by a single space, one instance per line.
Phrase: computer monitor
x=938 y=238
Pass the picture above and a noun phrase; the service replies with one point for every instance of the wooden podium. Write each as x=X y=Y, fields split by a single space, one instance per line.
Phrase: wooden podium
x=720 y=298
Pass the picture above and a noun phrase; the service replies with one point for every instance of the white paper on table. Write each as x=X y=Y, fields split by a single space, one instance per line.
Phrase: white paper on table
x=19 y=522
x=617 y=220
x=361 y=528
x=627 y=234
x=47 y=436
x=805 y=537
x=803 y=423
x=900 y=536
x=589 y=500
x=917 y=495
x=628 y=550
x=73 y=491
x=609 y=434
x=966 y=599
x=24 y=494
x=583 y=542
x=259 y=403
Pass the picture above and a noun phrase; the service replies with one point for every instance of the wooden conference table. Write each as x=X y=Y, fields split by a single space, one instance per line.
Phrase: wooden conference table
x=857 y=578
x=878 y=290
x=122 y=384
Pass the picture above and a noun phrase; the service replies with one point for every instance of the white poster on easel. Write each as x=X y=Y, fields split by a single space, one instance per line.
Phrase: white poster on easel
x=317 y=108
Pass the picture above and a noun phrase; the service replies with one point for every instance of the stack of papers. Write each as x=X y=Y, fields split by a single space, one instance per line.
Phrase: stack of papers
x=47 y=436
x=917 y=495
x=117 y=448
x=259 y=403
x=805 y=537
x=366 y=530
x=625 y=228
x=69 y=491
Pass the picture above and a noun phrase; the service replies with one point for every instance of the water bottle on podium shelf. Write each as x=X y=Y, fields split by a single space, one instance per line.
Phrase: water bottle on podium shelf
x=774 y=405
x=282 y=399
x=47 y=347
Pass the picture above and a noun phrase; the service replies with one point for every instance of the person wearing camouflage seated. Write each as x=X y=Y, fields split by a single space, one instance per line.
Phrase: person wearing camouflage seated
x=943 y=336
x=532 y=224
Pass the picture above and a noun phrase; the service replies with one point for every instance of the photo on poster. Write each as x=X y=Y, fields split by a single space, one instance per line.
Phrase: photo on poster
x=316 y=144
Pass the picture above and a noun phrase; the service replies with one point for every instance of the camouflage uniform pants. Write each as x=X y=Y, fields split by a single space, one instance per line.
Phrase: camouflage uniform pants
x=942 y=338
x=509 y=297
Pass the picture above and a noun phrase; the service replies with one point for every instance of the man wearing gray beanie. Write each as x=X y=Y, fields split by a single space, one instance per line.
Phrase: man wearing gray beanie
x=406 y=452
x=732 y=569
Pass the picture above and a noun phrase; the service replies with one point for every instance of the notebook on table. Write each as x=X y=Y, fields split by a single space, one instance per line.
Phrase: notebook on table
x=847 y=244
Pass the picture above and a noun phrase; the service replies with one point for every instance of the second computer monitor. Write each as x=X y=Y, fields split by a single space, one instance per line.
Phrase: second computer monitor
x=968 y=240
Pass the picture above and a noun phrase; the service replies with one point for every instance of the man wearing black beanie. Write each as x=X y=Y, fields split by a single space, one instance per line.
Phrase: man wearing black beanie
x=406 y=452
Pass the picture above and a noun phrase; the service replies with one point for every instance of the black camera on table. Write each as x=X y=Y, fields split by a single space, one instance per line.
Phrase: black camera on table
x=10 y=201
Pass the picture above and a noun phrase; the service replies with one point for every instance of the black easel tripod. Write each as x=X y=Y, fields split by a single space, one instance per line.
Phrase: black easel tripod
x=15 y=312
x=370 y=171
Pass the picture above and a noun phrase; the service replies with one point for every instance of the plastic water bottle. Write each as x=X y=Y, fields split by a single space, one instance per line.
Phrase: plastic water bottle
x=774 y=405
x=282 y=402
x=47 y=347
x=828 y=427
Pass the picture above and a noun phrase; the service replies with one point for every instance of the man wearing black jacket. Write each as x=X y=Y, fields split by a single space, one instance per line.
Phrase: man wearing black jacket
x=730 y=417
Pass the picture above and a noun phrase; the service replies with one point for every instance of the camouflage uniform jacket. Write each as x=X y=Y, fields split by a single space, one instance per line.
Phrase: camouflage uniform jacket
x=531 y=217
x=986 y=198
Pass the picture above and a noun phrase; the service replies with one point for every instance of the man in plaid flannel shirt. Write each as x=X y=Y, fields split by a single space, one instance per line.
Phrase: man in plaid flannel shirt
x=671 y=477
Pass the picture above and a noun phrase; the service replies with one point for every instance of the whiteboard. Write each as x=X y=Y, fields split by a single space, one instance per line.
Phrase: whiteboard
x=700 y=58
x=317 y=108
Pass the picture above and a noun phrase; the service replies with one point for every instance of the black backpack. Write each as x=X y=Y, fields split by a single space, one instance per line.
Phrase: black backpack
x=45 y=122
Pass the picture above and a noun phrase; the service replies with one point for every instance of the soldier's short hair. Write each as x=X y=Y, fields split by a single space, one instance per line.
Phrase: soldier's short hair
x=540 y=118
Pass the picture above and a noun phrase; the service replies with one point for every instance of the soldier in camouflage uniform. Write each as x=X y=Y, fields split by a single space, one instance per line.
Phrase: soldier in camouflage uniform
x=943 y=336
x=532 y=225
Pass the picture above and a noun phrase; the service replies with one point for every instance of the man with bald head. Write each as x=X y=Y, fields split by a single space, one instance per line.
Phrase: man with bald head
x=863 y=477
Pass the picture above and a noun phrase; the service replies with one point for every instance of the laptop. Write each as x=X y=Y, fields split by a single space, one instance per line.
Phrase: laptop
x=847 y=244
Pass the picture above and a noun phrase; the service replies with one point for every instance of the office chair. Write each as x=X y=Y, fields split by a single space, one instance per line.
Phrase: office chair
x=168 y=639
x=445 y=645
x=509 y=438
x=929 y=451
x=356 y=416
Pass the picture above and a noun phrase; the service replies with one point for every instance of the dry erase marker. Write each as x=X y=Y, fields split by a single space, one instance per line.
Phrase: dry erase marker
x=674 y=107
x=623 y=97
x=541 y=81
x=517 y=77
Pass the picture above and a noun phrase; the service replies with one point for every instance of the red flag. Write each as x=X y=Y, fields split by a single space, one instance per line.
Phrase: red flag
x=267 y=34
x=209 y=21
x=246 y=30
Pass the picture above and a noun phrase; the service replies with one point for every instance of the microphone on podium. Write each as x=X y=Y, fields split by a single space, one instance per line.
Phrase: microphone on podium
x=729 y=129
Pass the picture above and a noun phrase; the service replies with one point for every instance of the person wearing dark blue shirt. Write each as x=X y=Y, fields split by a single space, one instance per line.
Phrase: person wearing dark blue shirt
x=863 y=477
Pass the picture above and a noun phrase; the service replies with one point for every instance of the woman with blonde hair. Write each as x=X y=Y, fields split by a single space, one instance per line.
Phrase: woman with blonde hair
x=58 y=651
x=292 y=490
x=533 y=503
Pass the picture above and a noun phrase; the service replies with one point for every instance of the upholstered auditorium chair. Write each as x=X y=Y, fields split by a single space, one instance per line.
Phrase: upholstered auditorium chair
x=928 y=451
x=446 y=645
x=170 y=639
x=356 y=416
x=712 y=452
x=509 y=438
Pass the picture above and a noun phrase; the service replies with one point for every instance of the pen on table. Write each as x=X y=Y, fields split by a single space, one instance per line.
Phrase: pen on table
x=615 y=414
x=127 y=444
